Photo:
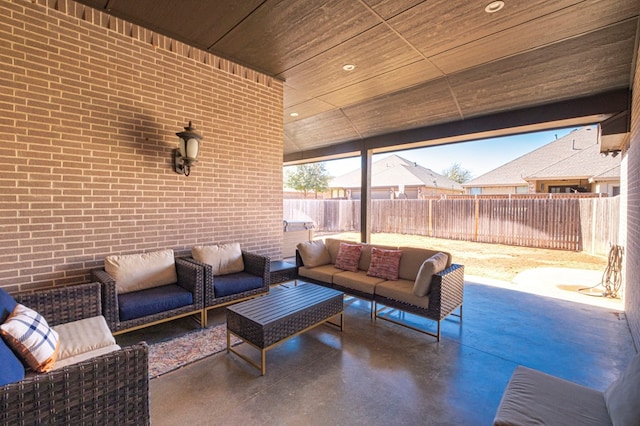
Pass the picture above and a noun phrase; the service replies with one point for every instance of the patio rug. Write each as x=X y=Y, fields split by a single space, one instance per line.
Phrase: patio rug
x=170 y=355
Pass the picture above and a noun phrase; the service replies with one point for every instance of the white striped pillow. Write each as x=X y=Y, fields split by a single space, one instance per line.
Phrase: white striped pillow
x=29 y=335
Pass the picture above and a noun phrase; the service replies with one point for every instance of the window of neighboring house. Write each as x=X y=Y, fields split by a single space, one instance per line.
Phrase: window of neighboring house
x=337 y=193
x=475 y=191
x=522 y=189
x=560 y=189
x=566 y=189
x=615 y=191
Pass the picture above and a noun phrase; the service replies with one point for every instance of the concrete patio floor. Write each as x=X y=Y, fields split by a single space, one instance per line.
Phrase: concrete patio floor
x=375 y=372
x=575 y=285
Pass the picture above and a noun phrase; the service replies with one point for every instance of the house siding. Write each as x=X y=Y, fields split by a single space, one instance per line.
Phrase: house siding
x=494 y=190
x=89 y=108
x=631 y=227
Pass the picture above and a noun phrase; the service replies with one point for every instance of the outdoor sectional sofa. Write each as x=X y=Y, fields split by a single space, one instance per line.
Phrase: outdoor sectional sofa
x=441 y=287
x=97 y=382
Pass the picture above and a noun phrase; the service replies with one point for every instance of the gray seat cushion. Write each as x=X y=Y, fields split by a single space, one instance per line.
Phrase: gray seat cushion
x=623 y=396
x=536 y=398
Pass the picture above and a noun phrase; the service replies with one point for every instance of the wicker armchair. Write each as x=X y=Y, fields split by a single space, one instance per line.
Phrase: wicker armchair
x=255 y=266
x=107 y=389
x=190 y=278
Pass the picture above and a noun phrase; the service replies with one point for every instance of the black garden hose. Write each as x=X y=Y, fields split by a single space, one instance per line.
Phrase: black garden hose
x=612 y=277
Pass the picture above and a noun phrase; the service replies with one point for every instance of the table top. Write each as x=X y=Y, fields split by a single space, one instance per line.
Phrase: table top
x=283 y=302
x=281 y=265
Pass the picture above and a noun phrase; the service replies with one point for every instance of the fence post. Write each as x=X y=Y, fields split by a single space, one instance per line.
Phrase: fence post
x=594 y=203
x=476 y=218
x=430 y=218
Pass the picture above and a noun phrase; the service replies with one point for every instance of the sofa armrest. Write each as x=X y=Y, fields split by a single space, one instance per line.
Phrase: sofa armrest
x=110 y=308
x=447 y=288
x=257 y=265
x=191 y=277
x=64 y=304
x=207 y=269
x=111 y=388
x=299 y=261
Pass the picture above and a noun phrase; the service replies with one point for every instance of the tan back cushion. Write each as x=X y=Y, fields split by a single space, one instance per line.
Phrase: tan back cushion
x=83 y=335
x=314 y=253
x=223 y=258
x=433 y=265
x=412 y=259
x=333 y=245
x=134 y=272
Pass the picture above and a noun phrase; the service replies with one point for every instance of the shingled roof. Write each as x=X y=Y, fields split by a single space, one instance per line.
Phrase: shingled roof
x=393 y=171
x=574 y=156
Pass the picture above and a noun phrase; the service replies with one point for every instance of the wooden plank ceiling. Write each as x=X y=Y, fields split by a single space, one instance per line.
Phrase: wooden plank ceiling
x=417 y=63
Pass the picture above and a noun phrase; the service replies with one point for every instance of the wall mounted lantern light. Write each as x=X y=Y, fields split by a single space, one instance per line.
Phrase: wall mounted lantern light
x=187 y=153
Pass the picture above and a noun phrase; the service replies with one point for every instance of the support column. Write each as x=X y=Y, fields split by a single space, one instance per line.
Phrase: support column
x=365 y=197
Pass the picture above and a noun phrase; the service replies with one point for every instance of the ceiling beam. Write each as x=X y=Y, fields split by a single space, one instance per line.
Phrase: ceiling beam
x=580 y=111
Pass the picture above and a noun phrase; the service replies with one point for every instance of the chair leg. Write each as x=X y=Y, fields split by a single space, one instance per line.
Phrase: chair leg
x=459 y=314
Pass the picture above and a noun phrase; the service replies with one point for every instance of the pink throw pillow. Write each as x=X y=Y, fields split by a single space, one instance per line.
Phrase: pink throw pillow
x=348 y=257
x=384 y=263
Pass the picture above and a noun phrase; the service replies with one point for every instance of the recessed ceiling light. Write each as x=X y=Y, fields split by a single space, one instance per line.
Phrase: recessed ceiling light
x=294 y=114
x=348 y=67
x=494 y=6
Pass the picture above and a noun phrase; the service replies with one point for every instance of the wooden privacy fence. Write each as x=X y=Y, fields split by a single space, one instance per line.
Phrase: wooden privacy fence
x=600 y=224
x=565 y=223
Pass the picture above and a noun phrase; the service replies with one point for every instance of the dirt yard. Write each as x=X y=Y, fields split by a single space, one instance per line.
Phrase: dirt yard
x=493 y=261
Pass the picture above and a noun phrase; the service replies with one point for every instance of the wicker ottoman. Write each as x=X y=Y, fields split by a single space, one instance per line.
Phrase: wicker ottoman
x=282 y=314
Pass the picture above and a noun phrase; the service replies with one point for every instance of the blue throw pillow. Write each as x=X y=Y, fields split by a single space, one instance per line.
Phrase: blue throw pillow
x=11 y=369
x=7 y=305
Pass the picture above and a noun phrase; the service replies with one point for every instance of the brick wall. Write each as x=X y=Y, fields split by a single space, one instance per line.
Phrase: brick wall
x=89 y=108
x=632 y=255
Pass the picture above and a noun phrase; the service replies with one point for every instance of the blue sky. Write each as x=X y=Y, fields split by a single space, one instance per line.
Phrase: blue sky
x=478 y=157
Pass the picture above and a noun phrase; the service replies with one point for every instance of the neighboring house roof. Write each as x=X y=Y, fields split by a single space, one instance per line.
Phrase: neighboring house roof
x=574 y=156
x=610 y=174
x=393 y=171
x=582 y=164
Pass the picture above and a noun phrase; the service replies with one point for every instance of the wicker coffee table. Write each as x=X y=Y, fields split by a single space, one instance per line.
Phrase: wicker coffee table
x=267 y=321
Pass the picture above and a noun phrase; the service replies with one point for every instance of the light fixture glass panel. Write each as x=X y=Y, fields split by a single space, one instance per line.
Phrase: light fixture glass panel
x=192 y=148
x=182 y=147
